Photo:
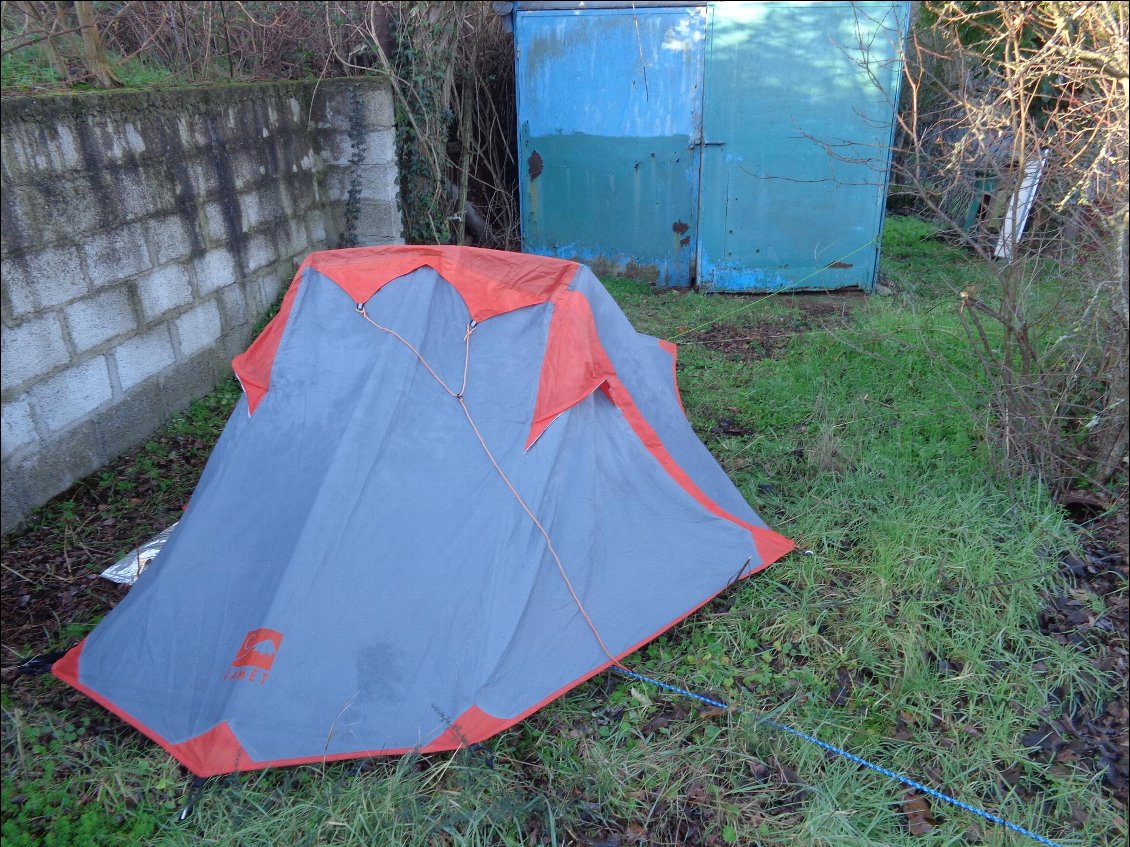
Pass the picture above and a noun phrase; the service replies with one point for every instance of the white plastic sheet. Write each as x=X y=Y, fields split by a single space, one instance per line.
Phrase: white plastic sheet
x=127 y=569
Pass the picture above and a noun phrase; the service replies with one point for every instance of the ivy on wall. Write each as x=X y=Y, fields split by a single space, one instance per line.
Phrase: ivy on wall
x=423 y=61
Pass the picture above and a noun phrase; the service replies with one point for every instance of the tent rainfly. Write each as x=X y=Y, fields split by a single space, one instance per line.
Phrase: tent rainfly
x=458 y=484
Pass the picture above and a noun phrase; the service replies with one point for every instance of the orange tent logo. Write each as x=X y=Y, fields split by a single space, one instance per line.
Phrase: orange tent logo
x=258 y=650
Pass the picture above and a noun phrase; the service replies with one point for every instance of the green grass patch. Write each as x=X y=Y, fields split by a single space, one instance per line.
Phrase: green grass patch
x=905 y=628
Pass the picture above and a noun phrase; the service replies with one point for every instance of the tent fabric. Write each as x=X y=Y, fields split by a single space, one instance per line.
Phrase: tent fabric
x=459 y=483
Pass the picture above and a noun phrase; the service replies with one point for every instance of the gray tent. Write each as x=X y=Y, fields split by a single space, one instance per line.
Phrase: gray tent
x=458 y=485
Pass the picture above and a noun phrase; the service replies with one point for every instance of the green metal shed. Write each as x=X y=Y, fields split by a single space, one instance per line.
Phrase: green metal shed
x=737 y=146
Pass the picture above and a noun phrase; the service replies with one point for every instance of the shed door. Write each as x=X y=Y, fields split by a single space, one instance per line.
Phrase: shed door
x=798 y=113
x=609 y=106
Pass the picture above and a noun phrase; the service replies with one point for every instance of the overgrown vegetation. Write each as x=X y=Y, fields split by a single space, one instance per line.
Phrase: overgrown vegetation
x=450 y=66
x=917 y=625
x=451 y=69
x=1015 y=139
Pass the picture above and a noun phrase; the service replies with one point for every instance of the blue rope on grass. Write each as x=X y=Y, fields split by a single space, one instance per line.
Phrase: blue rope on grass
x=905 y=780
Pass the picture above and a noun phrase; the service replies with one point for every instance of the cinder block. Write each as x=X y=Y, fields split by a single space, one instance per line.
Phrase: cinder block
x=257 y=209
x=329 y=109
x=34 y=215
x=294 y=240
x=198 y=328
x=43 y=279
x=259 y=252
x=338 y=181
x=195 y=131
x=71 y=395
x=310 y=161
x=380 y=147
x=169 y=239
x=19 y=231
x=378 y=223
x=141 y=193
x=213 y=223
x=14 y=505
x=100 y=317
x=286 y=190
x=30 y=349
x=34 y=146
x=163 y=290
x=115 y=254
x=133 y=139
x=244 y=168
x=17 y=427
x=140 y=358
x=130 y=421
x=104 y=134
x=271 y=287
x=378 y=182
x=253 y=297
x=378 y=106
x=88 y=208
x=65 y=148
x=61 y=462
x=233 y=307
x=214 y=269
x=236 y=341
x=192 y=378
x=206 y=177
x=316 y=227
x=336 y=148
x=334 y=218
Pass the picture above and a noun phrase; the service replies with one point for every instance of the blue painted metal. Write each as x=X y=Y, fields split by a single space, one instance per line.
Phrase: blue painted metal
x=609 y=103
x=789 y=144
x=803 y=96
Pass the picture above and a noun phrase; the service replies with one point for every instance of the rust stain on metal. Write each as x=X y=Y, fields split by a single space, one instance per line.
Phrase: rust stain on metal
x=840 y=265
x=536 y=165
x=679 y=227
x=684 y=241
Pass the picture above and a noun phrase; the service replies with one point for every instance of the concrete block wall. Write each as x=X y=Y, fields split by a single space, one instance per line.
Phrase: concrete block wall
x=358 y=138
x=144 y=234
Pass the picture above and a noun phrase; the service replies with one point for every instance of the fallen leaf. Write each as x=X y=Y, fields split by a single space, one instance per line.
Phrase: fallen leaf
x=642 y=698
x=919 y=819
x=696 y=793
x=635 y=831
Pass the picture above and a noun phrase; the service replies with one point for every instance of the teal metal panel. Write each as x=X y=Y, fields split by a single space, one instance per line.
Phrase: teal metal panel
x=799 y=110
x=609 y=108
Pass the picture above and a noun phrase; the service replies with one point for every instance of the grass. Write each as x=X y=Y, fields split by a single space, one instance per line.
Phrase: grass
x=905 y=628
x=28 y=70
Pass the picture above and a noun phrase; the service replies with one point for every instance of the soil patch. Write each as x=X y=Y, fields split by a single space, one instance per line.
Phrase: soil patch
x=765 y=338
x=50 y=589
x=1093 y=614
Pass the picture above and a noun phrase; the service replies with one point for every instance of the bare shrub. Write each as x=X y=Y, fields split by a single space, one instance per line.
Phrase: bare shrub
x=452 y=73
x=1014 y=134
